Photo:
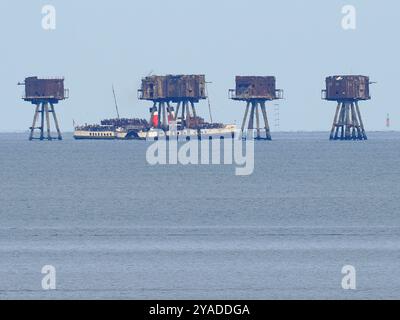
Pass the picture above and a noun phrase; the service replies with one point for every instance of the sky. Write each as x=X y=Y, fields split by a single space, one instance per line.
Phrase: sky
x=100 y=43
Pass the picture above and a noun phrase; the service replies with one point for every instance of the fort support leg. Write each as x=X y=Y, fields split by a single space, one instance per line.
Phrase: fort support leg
x=245 y=117
x=165 y=123
x=188 y=116
x=357 y=129
x=348 y=122
x=258 y=122
x=56 y=122
x=352 y=127
x=363 y=134
x=251 y=120
x=35 y=116
x=267 y=129
x=46 y=108
x=335 y=120
x=183 y=116
x=159 y=115
x=336 y=135
x=338 y=123
x=343 y=122
x=42 y=122
x=353 y=124
x=160 y=120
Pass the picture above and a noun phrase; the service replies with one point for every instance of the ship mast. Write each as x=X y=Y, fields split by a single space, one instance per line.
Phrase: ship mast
x=115 y=100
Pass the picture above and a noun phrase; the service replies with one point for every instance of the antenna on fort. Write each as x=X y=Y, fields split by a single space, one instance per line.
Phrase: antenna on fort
x=44 y=93
x=347 y=91
x=256 y=91
x=184 y=90
x=115 y=100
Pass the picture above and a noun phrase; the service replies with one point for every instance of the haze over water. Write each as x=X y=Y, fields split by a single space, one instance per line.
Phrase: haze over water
x=115 y=227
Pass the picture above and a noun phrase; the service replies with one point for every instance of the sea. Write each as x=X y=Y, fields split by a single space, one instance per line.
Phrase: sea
x=115 y=227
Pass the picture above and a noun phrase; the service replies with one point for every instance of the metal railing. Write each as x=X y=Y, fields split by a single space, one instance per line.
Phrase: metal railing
x=140 y=94
x=232 y=94
x=279 y=94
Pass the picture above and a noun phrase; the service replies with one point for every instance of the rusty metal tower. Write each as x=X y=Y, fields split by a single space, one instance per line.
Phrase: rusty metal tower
x=347 y=91
x=183 y=90
x=44 y=94
x=256 y=91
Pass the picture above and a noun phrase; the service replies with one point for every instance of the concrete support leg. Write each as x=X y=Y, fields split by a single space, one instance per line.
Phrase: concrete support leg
x=335 y=120
x=42 y=122
x=267 y=128
x=363 y=134
x=258 y=122
x=56 y=122
x=46 y=109
x=348 y=122
x=35 y=116
x=245 y=117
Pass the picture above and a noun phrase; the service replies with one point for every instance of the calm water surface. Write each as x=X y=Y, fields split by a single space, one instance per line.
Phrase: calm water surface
x=115 y=227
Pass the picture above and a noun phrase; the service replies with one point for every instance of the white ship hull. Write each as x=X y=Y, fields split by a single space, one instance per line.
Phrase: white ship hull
x=99 y=135
x=227 y=131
